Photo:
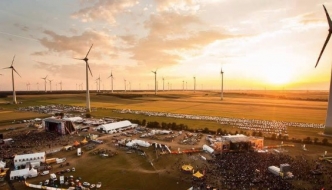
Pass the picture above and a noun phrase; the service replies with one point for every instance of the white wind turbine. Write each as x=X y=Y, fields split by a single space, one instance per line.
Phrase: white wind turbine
x=183 y=85
x=50 y=85
x=37 y=86
x=194 y=84
x=155 y=81
x=60 y=83
x=13 y=82
x=87 y=67
x=111 y=76
x=163 y=83
x=125 y=83
x=45 y=78
x=222 y=85
x=98 y=79
x=328 y=121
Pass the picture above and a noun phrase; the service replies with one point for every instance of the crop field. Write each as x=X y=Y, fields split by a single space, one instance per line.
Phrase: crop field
x=292 y=106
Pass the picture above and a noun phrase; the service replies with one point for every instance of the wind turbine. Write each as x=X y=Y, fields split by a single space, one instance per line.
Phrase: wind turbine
x=194 y=84
x=98 y=79
x=328 y=121
x=111 y=76
x=13 y=82
x=183 y=85
x=60 y=83
x=37 y=86
x=155 y=81
x=50 y=85
x=222 y=85
x=163 y=83
x=45 y=82
x=87 y=67
x=125 y=82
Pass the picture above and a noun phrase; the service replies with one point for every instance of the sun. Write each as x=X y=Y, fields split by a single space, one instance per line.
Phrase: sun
x=278 y=74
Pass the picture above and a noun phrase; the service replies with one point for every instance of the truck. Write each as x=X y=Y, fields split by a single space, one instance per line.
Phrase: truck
x=50 y=161
x=79 y=151
x=62 y=179
x=60 y=160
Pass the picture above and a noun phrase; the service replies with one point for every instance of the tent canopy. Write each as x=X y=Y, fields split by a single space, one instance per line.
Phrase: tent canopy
x=187 y=168
x=198 y=174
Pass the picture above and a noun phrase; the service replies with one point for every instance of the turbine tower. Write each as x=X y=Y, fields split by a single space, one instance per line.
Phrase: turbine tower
x=13 y=82
x=37 y=86
x=125 y=82
x=328 y=121
x=50 y=85
x=194 y=84
x=98 y=79
x=155 y=81
x=183 y=85
x=45 y=82
x=111 y=76
x=222 y=85
x=87 y=67
x=163 y=83
x=60 y=83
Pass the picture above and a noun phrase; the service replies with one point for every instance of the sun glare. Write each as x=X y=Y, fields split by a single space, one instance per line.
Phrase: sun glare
x=278 y=75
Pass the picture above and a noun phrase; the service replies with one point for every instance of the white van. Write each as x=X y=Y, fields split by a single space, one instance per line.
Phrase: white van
x=53 y=176
x=45 y=172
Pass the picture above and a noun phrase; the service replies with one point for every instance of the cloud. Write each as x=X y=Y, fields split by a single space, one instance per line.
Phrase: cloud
x=178 y=5
x=104 y=10
x=166 y=45
x=22 y=27
x=78 y=45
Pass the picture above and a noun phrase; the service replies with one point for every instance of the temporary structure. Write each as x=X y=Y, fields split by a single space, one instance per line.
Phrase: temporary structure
x=116 y=126
x=187 y=168
x=198 y=175
x=24 y=158
x=84 y=141
x=76 y=143
x=60 y=126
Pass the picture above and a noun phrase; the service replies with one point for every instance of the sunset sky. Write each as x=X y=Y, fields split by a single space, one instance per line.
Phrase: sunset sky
x=258 y=44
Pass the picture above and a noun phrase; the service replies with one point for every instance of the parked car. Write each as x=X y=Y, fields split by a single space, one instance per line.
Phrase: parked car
x=73 y=169
x=92 y=186
x=87 y=184
x=98 y=185
x=47 y=182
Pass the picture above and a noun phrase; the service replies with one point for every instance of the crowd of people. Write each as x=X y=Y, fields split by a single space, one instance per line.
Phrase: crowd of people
x=248 y=170
x=30 y=141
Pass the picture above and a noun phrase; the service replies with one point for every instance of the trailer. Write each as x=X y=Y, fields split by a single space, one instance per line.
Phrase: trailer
x=274 y=170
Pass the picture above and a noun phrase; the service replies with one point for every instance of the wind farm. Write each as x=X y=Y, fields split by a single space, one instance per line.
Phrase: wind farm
x=179 y=85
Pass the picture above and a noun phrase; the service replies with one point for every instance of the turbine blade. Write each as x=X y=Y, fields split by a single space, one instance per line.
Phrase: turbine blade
x=321 y=52
x=13 y=60
x=7 y=68
x=328 y=18
x=16 y=71
x=89 y=51
x=78 y=58
x=89 y=67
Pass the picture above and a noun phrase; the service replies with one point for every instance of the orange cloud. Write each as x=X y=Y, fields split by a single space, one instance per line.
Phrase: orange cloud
x=104 y=10
x=78 y=45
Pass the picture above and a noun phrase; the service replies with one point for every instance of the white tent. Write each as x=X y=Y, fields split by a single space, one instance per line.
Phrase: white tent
x=208 y=149
x=33 y=172
x=2 y=164
x=113 y=127
x=73 y=119
x=139 y=143
x=19 y=173
x=24 y=158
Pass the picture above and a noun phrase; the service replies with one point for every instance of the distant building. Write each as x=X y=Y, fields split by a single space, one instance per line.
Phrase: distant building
x=58 y=125
x=237 y=143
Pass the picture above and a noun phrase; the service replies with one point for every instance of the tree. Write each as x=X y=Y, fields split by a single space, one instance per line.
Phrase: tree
x=316 y=140
x=325 y=141
x=143 y=122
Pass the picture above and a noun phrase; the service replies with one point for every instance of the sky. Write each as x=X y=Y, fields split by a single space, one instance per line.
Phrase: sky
x=258 y=44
